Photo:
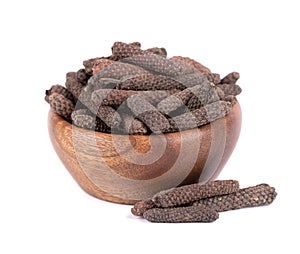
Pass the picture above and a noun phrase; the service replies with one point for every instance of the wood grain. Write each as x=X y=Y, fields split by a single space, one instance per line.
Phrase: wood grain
x=125 y=169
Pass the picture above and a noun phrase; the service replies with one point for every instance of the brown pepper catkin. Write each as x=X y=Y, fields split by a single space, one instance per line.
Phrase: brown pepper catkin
x=61 y=90
x=147 y=113
x=190 y=193
x=109 y=116
x=258 y=195
x=181 y=214
x=117 y=70
x=73 y=85
x=85 y=119
x=193 y=63
x=196 y=101
x=158 y=51
x=114 y=97
x=150 y=82
x=61 y=105
x=132 y=125
x=110 y=97
x=159 y=65
x=142 y=206
x=230 y=89
x=200 y=116
x=205 y=93
x=100 y=64
x=230 y=78
x=122 y=50
x=96 y=83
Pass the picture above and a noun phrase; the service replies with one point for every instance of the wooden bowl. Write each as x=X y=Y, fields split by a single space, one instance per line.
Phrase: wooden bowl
x=125 y=169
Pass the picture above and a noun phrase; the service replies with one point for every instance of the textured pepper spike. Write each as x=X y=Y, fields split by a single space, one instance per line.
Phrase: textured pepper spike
x=117 y=70
x=156 y=96
x=133 y=126
x=73 y=85
x=230 y=89
x=231 y=98
x=61 y=90
x=214 y=78
x=157 y=51
x=200 y=116
x=258 y=195
x=193 y=63
x=109 y=116
x=82 y=76
x=142 y=206
x=196 y=102
x=110 y=97
x=231 y=78
x=88 y=64
x=96 y=82
x=181 y=214
x=192 y=79
x=114 y=97
x=100 y=64
x=174 y=101
x=88 y=121
x=157 y=64
x=149 y=82
x=84 y=119
x=61 y=105
x=147 y=113
x=122 y=50
x=135 y=44
x=190 y=193
x=205 y=93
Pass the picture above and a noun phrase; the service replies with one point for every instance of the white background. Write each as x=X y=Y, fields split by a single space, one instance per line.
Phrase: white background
x=42 y=208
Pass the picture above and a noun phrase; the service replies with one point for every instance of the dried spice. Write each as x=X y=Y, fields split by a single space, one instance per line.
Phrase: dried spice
x=135 y=44
x=259 y=195
x=200 y=116
x=114 y=97
x=205 y=94
x=195 y=101
x=183 y=93
x=231 y=98
x=157 y=51
x=82 y=76
x=117 y=70
x=142 y=206
x=109 y=116
x=193 y=63
x=190 y=193
x=88 y=121
x=110 y=97
x=147 y=113
x=96 y=82
x=100 y=64
x=89 y=64
x=83 y=119
x=73 y=85
x=231 y=78
x=193 y=79
x=122 y=50
x=133 y=126
x=181 y=214
x=160 y=65
x=61 y=105
x=150 y=82
x=214 y=78
x=61 y=90
x=230 y=89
